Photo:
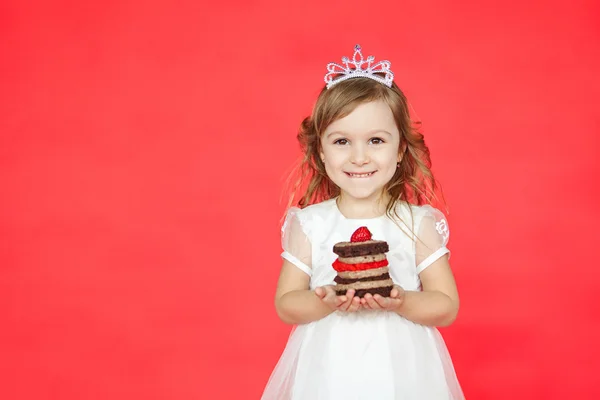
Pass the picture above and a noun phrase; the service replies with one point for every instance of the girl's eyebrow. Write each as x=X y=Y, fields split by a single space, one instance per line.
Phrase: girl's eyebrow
x=368 y=133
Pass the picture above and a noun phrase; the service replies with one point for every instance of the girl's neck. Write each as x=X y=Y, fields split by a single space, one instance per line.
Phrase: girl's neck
x=354 y=208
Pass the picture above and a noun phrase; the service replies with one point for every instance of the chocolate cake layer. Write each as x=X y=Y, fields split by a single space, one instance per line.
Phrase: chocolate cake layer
x=384 y=291
x=348 y=249
x=362 y=259
x=365 y=284
x=363 y=274
x=344 y=281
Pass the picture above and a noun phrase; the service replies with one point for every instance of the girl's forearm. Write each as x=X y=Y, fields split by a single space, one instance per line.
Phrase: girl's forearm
x=301 y=307
x=431 y=308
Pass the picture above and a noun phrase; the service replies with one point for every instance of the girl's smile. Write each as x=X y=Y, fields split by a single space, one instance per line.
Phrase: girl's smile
x=360 y=174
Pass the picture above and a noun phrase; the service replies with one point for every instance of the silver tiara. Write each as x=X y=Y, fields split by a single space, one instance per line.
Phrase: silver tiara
x=337 y=73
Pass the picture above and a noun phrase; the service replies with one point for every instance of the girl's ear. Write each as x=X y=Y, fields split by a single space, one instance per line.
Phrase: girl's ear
x=401 y=151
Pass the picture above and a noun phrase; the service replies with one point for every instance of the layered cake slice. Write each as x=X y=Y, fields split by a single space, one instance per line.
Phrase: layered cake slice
x=362 y=265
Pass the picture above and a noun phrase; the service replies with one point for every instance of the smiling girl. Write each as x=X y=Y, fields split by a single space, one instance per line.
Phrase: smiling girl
x=365 y=165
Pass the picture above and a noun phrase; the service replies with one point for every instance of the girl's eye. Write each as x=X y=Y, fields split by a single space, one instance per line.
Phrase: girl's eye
x=341 y=142
x=377 y=140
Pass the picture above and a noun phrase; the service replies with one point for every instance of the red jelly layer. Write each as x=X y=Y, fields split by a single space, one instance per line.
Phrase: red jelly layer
x=343 y=267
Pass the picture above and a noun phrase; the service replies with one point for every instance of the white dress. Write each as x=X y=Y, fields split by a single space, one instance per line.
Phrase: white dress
x=366 y=355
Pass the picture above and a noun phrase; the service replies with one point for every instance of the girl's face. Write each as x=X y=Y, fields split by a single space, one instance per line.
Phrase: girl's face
x=360 y=151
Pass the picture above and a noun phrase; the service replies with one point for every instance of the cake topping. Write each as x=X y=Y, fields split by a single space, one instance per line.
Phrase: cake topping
x=362 y=234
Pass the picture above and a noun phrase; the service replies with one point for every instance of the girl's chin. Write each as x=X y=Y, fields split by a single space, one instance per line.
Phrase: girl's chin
x=361 y=194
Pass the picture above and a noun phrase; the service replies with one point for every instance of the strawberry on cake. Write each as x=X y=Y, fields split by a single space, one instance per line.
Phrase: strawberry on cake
x=362 y=265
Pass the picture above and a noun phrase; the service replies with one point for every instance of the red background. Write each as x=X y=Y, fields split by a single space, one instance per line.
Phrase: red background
x=143 y=151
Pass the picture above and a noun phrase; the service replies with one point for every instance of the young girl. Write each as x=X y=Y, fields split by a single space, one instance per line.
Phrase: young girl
x=365 y=165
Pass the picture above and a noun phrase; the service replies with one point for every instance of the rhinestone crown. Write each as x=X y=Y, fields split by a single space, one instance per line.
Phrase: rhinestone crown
x=358 y=67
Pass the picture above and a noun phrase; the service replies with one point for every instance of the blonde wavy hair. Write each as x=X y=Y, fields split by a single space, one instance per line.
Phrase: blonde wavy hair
x=413 y=181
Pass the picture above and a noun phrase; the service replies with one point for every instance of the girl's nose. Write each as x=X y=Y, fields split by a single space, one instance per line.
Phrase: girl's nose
x=359 y=155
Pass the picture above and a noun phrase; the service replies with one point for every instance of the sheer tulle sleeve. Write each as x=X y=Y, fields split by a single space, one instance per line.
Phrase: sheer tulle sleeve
x=432 y=238
x=295 y=242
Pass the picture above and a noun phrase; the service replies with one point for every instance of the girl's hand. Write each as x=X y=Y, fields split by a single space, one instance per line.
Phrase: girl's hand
x=347 y=303
x=378 y=302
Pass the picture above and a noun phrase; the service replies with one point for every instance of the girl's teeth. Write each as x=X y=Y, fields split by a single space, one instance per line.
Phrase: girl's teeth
x=361 y=175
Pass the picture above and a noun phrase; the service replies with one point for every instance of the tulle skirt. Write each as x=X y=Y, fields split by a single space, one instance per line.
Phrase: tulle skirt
x=368 y=355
